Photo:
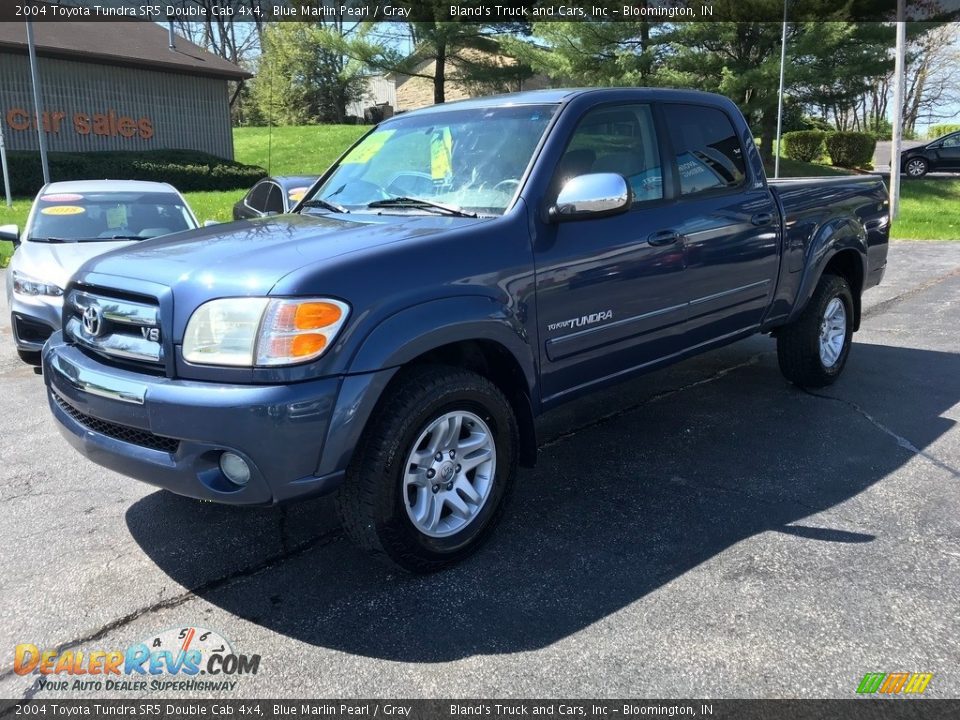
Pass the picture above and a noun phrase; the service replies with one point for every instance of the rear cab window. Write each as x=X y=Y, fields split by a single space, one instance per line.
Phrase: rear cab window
x=708 y=153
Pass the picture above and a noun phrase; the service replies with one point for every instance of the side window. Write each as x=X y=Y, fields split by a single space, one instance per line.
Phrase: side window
x=709 y=155
x=952 y=141
x=617 y=139
x=274 y=199
x=257 y=197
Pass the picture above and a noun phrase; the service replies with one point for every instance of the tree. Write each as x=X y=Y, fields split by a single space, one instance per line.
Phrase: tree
x=442 y=49
x=302 y=77
x=838 y=68
x=594 y=53
x=932 y=89
x=738 y=59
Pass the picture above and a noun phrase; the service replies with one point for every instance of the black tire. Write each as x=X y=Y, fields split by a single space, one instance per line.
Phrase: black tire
x=916 y=167
x=30 y=357
x=371 y=502
x=798 y=344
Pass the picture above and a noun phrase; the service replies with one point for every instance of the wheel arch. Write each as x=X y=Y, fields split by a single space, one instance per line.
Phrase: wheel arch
x=472 y=332
x=840 y=248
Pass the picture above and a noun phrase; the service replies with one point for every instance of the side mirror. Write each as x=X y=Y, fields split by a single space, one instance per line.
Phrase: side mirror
x=10 y=233
x=210 y=223
x=590 y=196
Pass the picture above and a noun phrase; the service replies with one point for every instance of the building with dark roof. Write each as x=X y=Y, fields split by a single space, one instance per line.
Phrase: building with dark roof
x=114 y=86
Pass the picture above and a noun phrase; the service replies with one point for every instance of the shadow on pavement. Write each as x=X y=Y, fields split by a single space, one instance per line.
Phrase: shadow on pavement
x=609 y=516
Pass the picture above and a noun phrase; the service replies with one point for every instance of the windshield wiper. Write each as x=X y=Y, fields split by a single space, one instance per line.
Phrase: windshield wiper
x=326 y=204
x=121 y=237
x=421 y=204
x=52 y=240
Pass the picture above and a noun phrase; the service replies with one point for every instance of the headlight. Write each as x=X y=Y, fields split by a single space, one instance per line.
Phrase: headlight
x=26 y=285
x=263 y=332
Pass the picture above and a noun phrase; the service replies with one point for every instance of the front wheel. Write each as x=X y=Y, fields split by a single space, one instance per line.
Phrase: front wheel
x=429 y=479
x=813 y=349
x=917 y=167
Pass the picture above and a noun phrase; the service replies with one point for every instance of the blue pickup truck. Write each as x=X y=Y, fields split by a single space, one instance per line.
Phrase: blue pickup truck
x=457 y=272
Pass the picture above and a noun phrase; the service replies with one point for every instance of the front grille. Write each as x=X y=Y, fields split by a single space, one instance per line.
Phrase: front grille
x=32 y=331
x=117 y=327
x=123 y=433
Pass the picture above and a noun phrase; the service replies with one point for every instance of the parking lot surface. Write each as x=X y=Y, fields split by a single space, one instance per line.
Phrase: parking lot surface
x=704 y=531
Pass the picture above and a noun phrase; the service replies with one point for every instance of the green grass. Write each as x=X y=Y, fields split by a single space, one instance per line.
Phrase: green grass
x=794 y=168
x=929 y=210
x=297 y=150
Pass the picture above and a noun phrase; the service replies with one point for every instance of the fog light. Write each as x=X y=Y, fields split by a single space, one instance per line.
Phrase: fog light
x=235 y=468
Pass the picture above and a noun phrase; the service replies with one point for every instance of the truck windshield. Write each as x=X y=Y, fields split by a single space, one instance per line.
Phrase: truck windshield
x=103 y=216
x=471 y=159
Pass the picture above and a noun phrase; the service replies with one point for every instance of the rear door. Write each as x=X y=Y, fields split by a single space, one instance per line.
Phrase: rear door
x=610 y=295
x=730 y=225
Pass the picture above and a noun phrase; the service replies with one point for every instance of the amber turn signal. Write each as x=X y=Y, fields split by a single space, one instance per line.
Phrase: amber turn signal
x=313 y=315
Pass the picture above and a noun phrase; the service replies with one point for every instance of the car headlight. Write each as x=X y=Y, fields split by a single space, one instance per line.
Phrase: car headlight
x=249 y=332
x=25 y=285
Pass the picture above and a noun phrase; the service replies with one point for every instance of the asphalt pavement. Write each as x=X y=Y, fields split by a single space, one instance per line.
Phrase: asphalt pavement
x=703 y=531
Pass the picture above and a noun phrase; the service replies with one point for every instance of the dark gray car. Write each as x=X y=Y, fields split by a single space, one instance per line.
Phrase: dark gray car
x=273 y=196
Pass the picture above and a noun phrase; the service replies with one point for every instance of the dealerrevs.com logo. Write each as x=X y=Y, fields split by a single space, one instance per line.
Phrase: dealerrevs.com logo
x=187 y=659
x=894 y=683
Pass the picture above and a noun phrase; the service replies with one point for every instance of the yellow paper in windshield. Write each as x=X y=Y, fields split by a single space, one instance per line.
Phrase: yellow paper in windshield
x=63 y=210
x=369 y=147
x=441 y=150
x=116 y=217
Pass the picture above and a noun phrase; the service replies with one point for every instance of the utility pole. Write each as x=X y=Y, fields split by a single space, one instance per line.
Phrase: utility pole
x=6 y=171
x=783 y=62
x=898 y=71
x=35 y=79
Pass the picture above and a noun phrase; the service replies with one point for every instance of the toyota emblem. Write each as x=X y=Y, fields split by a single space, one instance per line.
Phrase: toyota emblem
x=92 y=320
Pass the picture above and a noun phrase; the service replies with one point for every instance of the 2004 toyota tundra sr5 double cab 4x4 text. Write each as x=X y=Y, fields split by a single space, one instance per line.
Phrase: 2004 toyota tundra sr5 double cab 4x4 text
x=459 y=271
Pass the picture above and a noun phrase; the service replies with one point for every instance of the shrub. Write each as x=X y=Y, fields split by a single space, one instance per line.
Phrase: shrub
x=851 y=149
x=186 y=170
x=936 y=131
x=803 y=145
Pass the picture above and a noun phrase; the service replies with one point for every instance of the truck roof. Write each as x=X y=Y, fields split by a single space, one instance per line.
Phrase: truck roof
x=561 y=95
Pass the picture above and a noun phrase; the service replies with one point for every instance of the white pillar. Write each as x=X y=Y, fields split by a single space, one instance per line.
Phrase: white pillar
x=38 y=109
x=783 y=61
x=6 y=172
x=898 y=71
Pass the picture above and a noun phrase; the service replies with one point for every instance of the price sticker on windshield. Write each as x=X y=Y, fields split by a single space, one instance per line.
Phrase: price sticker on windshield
x=63 y=210
x=116 y=217
x=441 y=151
x=369 y=147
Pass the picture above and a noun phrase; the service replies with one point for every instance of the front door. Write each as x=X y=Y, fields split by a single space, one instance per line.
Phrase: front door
x=610 y=296
x=948 y=154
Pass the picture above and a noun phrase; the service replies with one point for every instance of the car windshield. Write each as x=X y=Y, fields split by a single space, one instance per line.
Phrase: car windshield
x=471 y=160
x=100 y=216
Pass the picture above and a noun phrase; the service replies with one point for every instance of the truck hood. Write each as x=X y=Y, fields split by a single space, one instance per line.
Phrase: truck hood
x=56 y=262
x=249 y=257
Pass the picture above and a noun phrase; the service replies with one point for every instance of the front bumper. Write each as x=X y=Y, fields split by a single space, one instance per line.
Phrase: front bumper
x=171 y=433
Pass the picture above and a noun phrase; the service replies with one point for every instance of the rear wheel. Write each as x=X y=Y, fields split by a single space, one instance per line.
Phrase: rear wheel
x=812 y=351
x=429 y=479
x=917 y=167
